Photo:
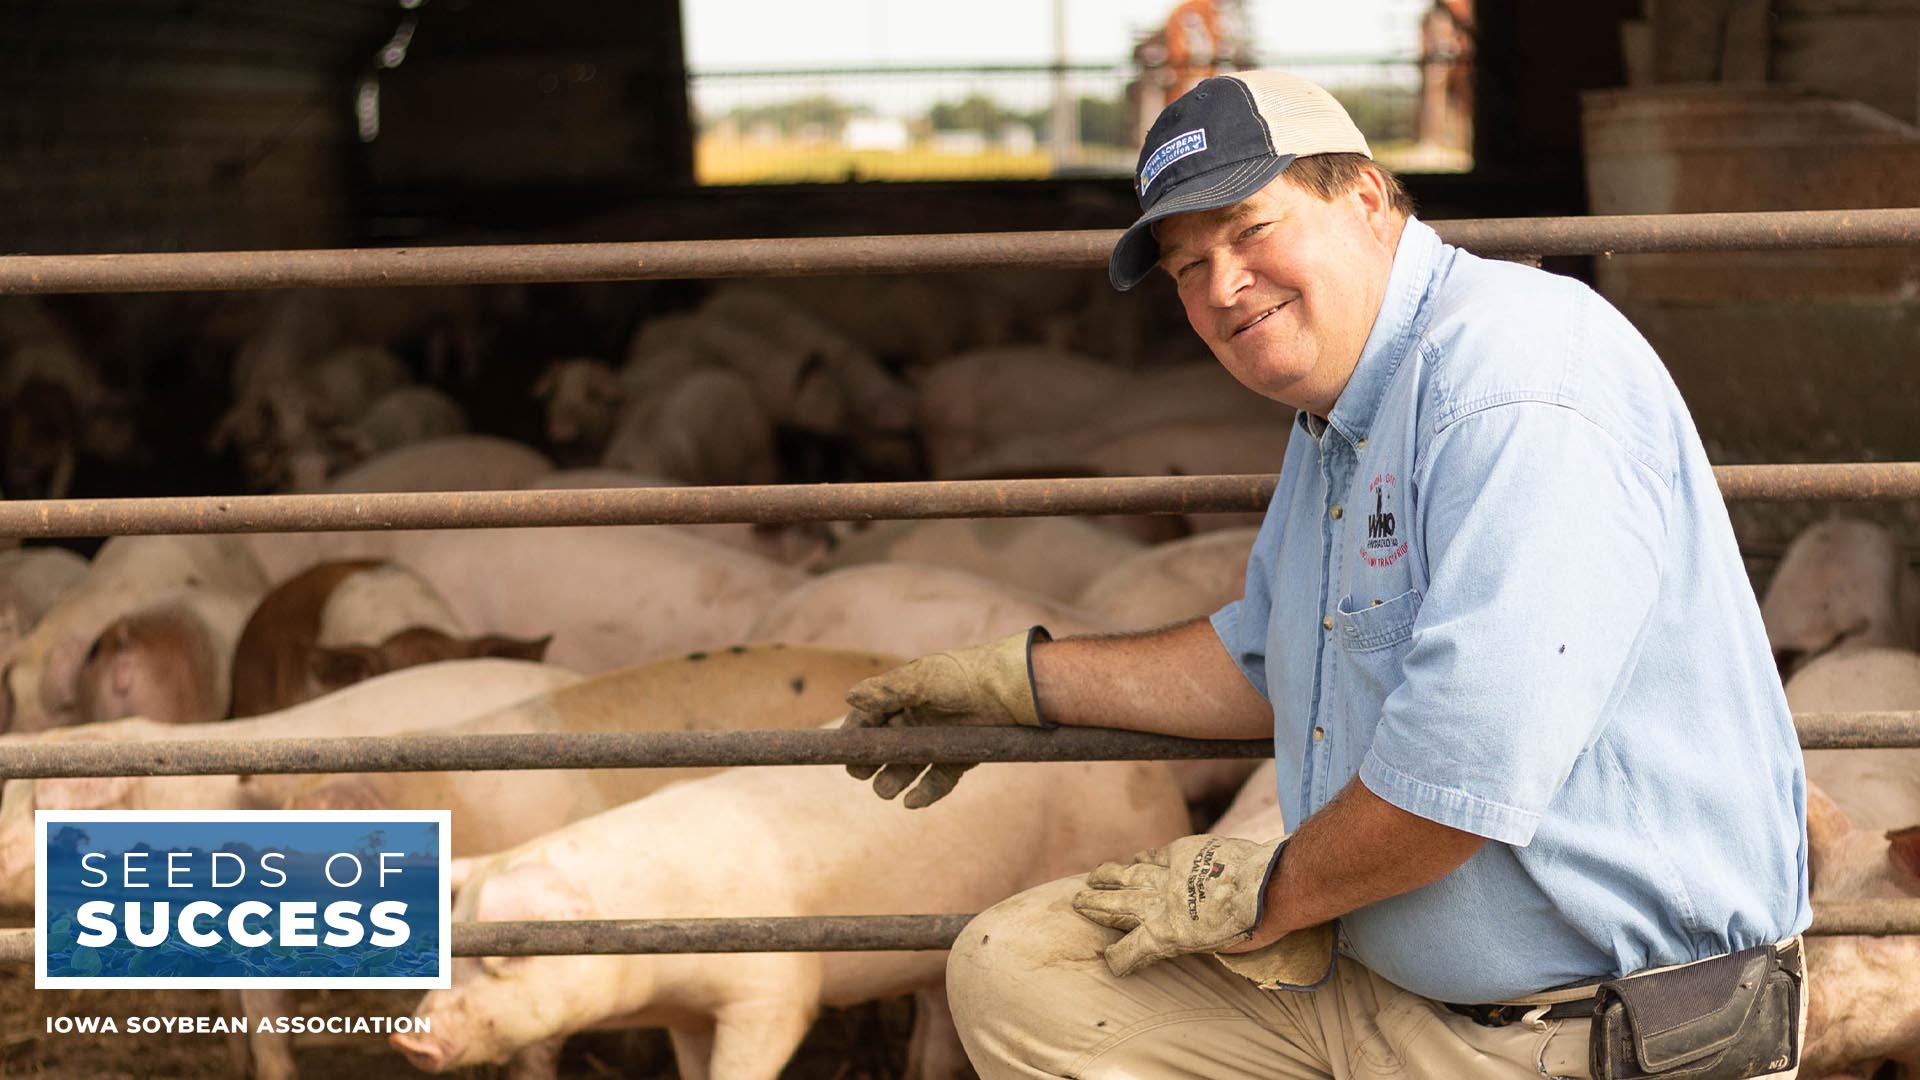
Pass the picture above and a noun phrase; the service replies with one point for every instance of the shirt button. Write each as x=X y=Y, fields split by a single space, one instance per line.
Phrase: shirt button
x=1319 y=733
x=1326 y=622
x=1336 y=512
x=1361 y=444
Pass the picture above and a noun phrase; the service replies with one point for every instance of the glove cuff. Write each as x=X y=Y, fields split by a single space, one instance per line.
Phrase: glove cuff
x=1009 y=676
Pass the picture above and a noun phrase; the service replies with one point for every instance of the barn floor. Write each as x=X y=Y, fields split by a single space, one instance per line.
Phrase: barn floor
x=865 y=1043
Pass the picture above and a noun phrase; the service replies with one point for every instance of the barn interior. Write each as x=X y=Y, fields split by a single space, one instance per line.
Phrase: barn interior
x=202 y=126
x=256 y=125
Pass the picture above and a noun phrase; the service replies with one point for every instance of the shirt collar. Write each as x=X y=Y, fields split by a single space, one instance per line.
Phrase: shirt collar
x=1393 y=331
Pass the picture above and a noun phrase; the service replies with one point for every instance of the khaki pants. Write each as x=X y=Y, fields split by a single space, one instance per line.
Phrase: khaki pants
x=1033 y=998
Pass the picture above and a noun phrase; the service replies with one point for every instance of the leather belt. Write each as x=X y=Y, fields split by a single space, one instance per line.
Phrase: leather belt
x=1497 y=1016
x=1566 y=1003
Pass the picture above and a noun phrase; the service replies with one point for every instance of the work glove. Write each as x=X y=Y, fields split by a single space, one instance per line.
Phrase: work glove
x=1201 y=894
x=984 y=685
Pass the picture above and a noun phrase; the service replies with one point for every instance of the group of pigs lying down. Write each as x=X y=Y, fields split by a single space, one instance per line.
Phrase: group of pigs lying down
x=337 y=647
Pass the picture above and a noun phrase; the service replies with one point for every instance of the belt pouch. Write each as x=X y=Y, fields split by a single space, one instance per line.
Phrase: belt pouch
x=1727 y=1018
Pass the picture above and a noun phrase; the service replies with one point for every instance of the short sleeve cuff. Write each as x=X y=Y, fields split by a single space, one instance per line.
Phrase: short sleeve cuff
x=1449 y=806
x=1245 y=655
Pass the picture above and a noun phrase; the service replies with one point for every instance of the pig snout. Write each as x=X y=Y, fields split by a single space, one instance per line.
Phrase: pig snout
x=424 y=1051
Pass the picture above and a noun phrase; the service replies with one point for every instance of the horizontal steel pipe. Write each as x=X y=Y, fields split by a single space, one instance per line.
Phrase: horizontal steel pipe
x=603 y=750
x=715 y=749
x=500 y=264
x=780 y=503
x=854 y=933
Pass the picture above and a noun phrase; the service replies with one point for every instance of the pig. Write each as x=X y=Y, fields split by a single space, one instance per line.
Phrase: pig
x=333 y=624
x=127 y=574
x=1255 y=805
x=743 y=687
x=912 y=609
x=32 y=581
x=1843 y=584
x=968 y=404
x=171 y=662
x=1190 y=448
x=706 y=428
x=915 y=609
x=1864 y=992
x=793 y=385
x=289 y=402
x=404 y=416
x=584 y=398
x=875 y=400
x=766 y=687
x=802 y=544
x=1172 y=582
x=1056 y=557
x=56 y=404
x=450 y=463
x=400 y=417
x=610 y=595
x=1879 y=788
x=801 y=840
x=417 y=698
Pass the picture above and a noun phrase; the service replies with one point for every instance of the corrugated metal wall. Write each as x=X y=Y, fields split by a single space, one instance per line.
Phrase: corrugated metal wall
x=159 y=125
x=131 y=125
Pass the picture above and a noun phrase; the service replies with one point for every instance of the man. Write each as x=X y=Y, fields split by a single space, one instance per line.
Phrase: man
x=1526 y=723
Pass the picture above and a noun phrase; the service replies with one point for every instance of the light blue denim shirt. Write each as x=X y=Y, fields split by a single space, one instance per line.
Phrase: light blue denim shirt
x=1498 y=584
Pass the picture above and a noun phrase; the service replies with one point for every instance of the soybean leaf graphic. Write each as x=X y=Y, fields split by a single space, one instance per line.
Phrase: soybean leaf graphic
x=86 y=962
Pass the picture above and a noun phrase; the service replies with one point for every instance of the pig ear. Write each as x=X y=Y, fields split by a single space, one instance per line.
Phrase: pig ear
x=344 y=666
x=1903 y=850
x=1827 y=827
x=510 y=648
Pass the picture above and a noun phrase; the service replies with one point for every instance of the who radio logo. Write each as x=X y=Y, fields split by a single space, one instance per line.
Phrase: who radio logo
x=236 y=899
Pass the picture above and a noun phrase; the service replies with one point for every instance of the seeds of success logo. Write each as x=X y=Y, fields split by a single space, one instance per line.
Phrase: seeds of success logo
x=235 y=899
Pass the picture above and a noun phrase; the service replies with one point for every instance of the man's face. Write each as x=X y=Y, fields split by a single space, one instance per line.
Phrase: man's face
x=1284 y=286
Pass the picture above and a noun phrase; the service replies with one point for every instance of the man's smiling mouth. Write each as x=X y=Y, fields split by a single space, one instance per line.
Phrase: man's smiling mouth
x=1258 y=319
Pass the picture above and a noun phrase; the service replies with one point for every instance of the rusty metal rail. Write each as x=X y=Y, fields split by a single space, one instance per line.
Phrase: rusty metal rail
x=849 y=933
x=532 y=263
x=780 y=503
x=717 y=749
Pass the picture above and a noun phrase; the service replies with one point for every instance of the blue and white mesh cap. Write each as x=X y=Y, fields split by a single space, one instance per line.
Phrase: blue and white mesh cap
x=1220 y=142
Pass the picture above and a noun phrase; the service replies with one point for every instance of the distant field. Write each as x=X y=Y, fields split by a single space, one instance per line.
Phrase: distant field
x=730 y=161
x=718 y=161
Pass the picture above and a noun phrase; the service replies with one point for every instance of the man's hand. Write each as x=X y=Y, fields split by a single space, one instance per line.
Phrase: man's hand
x=1197 y=894
x=984 y=685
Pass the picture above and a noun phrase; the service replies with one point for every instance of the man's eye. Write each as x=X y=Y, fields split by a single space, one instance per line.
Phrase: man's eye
x=1252 y=229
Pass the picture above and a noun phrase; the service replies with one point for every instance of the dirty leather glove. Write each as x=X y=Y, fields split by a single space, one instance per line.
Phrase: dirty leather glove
x=983 y=685
x=1197 y=894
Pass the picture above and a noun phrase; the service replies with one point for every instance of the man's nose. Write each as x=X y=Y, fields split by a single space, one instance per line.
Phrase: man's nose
x=1226 y=278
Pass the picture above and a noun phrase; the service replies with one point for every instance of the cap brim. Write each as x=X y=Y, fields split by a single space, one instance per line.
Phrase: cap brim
x=1134 y=256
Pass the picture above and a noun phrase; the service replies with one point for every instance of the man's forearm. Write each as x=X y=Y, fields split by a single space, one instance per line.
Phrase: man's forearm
x=1176 y=681
x=1359 y=849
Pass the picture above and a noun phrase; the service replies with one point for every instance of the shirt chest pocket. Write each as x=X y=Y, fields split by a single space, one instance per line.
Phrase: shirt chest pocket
x=1373 y=637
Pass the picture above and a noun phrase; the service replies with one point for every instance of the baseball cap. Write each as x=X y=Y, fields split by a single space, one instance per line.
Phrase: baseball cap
x=1220 y=142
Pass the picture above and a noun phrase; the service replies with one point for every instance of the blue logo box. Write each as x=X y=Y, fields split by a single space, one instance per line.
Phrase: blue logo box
x=295 y=899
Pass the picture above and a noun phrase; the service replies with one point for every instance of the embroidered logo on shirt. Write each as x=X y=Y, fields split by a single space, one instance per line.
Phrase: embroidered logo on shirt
x=1383 y=545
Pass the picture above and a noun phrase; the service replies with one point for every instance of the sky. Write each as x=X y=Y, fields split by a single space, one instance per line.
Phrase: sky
x=737 y=34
